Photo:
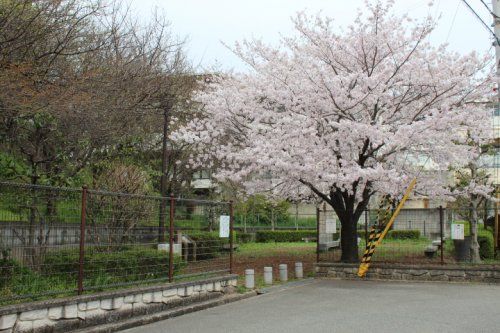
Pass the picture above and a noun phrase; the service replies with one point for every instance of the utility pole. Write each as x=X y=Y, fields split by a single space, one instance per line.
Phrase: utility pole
x=496 y=23
x=164 y=169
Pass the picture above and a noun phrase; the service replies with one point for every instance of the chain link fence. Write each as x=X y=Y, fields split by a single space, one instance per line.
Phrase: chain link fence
x=62 y=241
x=417 y=237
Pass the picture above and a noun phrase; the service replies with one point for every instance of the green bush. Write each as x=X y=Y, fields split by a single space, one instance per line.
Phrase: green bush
x=208 y=244
x=258 y=210
x=486 y=244
x=283 y=235
x=403 y=234
x=396 y=234
x=119 y=265
x=244 y=237
x=8 y=267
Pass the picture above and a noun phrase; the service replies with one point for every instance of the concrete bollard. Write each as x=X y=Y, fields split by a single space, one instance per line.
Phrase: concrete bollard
x=299 y=271
x=268 y=275
x=283 y=273
x=249 y=278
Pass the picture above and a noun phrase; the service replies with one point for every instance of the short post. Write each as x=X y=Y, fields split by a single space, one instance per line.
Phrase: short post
x=249 y=278
x=441 y=232
x=171 y=241
x=268 y=275
x=317 y=234
x=83 y=220
x=299 y=270
x=283 y=272
x=231 y=226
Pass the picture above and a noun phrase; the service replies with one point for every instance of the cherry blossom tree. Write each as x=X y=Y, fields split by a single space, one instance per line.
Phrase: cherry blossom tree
x=344 y=113
x=474 y=184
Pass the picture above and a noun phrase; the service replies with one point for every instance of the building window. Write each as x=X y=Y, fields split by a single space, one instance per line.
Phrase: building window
x=201 y=174
x=496 y=111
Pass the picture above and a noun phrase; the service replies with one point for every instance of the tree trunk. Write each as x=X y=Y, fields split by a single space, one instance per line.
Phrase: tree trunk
x=348 y=210
x=349 y=240
x=474 y=246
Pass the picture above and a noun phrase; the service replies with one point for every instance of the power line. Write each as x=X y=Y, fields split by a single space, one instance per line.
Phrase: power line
x=484 y=23
x=488 y=8
x=453 y=21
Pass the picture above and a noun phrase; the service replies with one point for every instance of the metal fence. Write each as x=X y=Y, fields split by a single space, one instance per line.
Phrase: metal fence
x=251 y=222
x=418 y=236
x=64 y=241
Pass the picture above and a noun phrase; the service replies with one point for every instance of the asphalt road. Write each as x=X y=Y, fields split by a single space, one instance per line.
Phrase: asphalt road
x=350 y=306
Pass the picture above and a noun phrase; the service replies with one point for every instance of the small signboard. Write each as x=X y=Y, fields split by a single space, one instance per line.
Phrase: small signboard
x=331 y=225
x=457 y=231
x=224 y=226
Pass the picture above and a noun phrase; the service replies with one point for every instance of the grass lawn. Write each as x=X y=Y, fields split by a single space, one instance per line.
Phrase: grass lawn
x=394 y=249
x=272 y=249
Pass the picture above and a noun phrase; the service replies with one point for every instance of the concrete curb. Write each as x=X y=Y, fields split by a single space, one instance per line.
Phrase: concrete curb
x=151 y=318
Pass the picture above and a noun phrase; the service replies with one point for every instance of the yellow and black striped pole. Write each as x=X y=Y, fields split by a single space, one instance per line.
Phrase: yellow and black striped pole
x=378 y=237
x=376 y=230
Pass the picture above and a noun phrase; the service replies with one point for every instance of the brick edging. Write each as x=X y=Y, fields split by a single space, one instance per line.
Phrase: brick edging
x=483 y=268
x=155 y=317
x=77 y=312
x=411 y=273
x=22 y=307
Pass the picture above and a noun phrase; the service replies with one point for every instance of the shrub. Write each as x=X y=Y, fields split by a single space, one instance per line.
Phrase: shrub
x=7 y=269
x=258 y=210
x=396 y=234
x=486 y=244
x=244 y=237
x=120 y=265
x=283 y=235
x=403 y=234
x=208 y=244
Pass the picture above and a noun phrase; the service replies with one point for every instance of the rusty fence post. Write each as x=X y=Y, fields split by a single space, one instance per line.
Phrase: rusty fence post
x=231 y=227
x=171 y=241
x=441 y=232
x=83 y=220
x=317 y=235
x=163 y=213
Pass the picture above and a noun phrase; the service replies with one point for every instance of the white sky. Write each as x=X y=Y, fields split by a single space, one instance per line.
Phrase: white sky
x=207 y=23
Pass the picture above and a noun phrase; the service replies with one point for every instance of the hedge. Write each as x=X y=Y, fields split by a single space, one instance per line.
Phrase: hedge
x=284 y=235
x=121 y=264
x=208 y=244
x=486 y=244
x=396 y=234
x=244 y=237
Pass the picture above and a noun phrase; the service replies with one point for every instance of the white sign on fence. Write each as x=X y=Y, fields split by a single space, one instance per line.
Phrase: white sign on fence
x=224 y=226
x=457 y=231
x=331 y=225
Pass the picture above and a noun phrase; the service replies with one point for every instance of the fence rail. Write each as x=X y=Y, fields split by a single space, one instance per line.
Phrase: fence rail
x=418 y=236
x=65 y=241
x=62 y=241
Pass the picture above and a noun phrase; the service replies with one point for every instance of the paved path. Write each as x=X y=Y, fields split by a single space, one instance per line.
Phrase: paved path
x=350 y=306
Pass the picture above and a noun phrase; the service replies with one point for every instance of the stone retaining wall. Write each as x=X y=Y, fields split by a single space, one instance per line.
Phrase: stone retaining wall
x=69 y=314
x=411 y=273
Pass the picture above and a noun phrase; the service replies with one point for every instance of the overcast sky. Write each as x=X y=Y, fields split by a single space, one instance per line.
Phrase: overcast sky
x=207 y=23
